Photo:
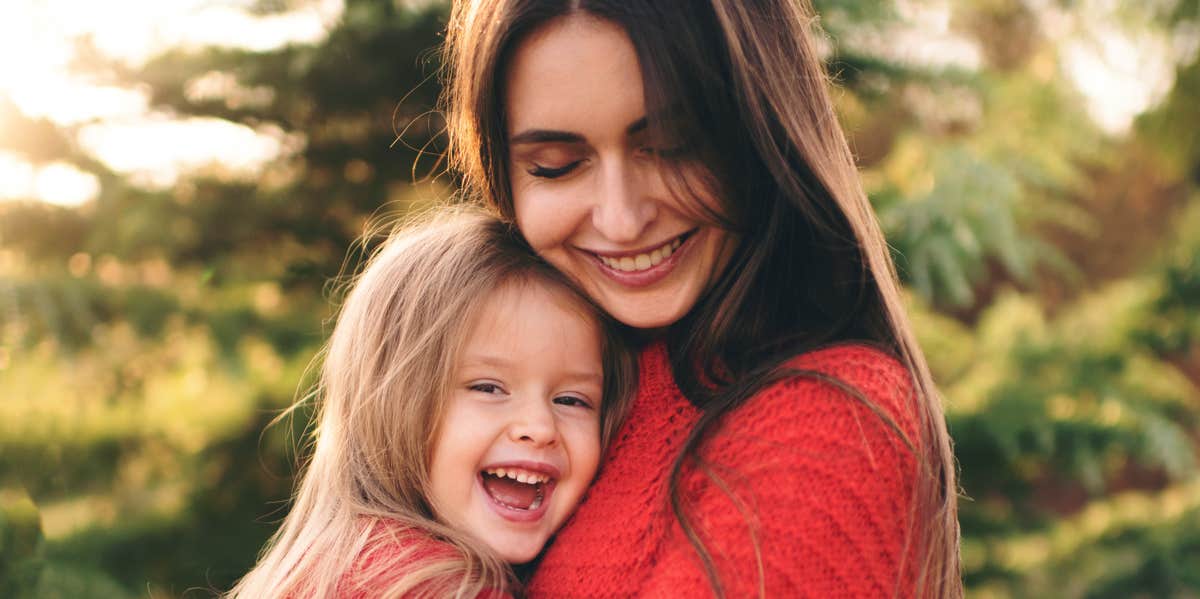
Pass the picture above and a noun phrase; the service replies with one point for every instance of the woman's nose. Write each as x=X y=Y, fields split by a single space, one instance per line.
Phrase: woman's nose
x=534 y=423
x=625 y=204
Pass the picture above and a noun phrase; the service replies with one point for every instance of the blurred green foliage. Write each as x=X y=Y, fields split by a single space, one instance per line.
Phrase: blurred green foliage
x=20 y=544
x=148 y=337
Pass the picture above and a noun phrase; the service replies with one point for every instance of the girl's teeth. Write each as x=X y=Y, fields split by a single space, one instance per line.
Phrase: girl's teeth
x=528 y=478
x=642 y=261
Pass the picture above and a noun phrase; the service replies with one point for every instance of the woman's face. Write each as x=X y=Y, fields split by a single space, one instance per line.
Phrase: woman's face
x=589 y=191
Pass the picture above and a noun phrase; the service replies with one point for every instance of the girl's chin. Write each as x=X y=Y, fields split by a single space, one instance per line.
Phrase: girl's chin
x=517 y=553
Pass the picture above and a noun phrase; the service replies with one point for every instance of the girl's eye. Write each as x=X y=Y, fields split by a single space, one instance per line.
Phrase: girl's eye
x=545 y=172
x=573 y=401
x=490 y=388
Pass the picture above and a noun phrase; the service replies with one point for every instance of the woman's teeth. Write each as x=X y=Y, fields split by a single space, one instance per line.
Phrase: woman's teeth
x=642 y=261
x=521 y=476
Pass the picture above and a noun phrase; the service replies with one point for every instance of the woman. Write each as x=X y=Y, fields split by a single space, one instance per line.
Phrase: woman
x=682 y=163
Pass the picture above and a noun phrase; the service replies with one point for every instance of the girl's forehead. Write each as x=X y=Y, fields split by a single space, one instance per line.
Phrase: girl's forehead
x=512 y=295
x=532 y=329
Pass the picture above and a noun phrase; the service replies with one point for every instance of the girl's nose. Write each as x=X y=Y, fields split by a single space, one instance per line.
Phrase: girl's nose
x=534 y=423
x=624 y=204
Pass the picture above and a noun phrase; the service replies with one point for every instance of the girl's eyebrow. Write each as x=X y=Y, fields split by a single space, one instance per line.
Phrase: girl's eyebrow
x=487 y=360
x=585 y=375
x=504 y=361
x=530 y=136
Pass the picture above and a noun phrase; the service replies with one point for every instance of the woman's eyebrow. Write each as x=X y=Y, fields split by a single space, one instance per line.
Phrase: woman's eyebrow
x=531 y=136
x=636 y=127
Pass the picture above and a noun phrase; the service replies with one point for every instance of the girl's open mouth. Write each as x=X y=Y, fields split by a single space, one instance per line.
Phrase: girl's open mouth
x=516 y=493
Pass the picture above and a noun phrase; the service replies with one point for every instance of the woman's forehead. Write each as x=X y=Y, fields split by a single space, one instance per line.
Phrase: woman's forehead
x=574 y=73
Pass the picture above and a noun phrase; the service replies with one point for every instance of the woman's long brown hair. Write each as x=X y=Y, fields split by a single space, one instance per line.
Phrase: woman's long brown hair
x=812 y=267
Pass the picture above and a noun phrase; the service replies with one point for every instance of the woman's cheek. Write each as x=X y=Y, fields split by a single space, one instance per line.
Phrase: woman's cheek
x=545 y=218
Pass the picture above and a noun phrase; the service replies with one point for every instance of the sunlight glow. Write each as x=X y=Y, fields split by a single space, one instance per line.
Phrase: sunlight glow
x=63 y=184
x=16 y=177
x=930 y=39
x=229 y=27
x=1119 y=60
x=39 y=39
x=56 y=183
x=70 y=101
x=133 y=31
x=923 y=39
x=155 y=151
x=224 y=86
x=1121 y=76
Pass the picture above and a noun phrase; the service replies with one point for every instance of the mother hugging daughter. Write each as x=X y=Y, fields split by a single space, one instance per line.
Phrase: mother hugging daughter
x=680 y=168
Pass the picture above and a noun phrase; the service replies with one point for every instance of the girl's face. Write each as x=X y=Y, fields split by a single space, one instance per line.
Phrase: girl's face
x=519 y=440
x=589 y=191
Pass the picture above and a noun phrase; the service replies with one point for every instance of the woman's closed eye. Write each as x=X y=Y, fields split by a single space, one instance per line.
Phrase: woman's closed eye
x=548 y=172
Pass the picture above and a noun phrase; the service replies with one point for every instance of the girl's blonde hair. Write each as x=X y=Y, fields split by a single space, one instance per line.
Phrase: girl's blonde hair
x=386 y=371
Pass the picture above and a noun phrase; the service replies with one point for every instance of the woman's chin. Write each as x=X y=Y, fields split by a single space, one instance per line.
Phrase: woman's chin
x=647 y=320
x=653 y=308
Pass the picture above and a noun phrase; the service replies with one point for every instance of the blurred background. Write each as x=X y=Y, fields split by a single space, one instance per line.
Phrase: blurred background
x=180 y=180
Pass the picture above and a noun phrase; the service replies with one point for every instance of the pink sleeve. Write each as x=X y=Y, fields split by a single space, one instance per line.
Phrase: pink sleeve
x=817 y=479
x=403 y=547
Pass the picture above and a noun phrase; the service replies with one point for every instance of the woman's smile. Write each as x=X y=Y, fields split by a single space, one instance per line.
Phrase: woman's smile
x=644 y=267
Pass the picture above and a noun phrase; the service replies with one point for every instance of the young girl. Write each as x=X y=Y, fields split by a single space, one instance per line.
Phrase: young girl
x=465 y=396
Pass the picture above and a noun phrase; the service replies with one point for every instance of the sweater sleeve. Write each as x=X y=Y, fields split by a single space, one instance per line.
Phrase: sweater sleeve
x=804 y=491
x=386 y=559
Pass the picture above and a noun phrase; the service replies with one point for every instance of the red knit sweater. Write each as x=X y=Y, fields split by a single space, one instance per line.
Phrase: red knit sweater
x=818 y=478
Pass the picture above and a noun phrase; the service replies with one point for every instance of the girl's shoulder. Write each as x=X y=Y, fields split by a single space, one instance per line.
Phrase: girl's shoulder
x=392 y=551
x=388 y=538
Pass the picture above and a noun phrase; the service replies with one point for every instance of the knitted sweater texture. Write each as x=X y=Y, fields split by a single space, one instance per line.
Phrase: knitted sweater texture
x=813 y=494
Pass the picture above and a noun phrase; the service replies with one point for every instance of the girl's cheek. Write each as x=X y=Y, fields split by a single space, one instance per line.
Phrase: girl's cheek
x=586 y=435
